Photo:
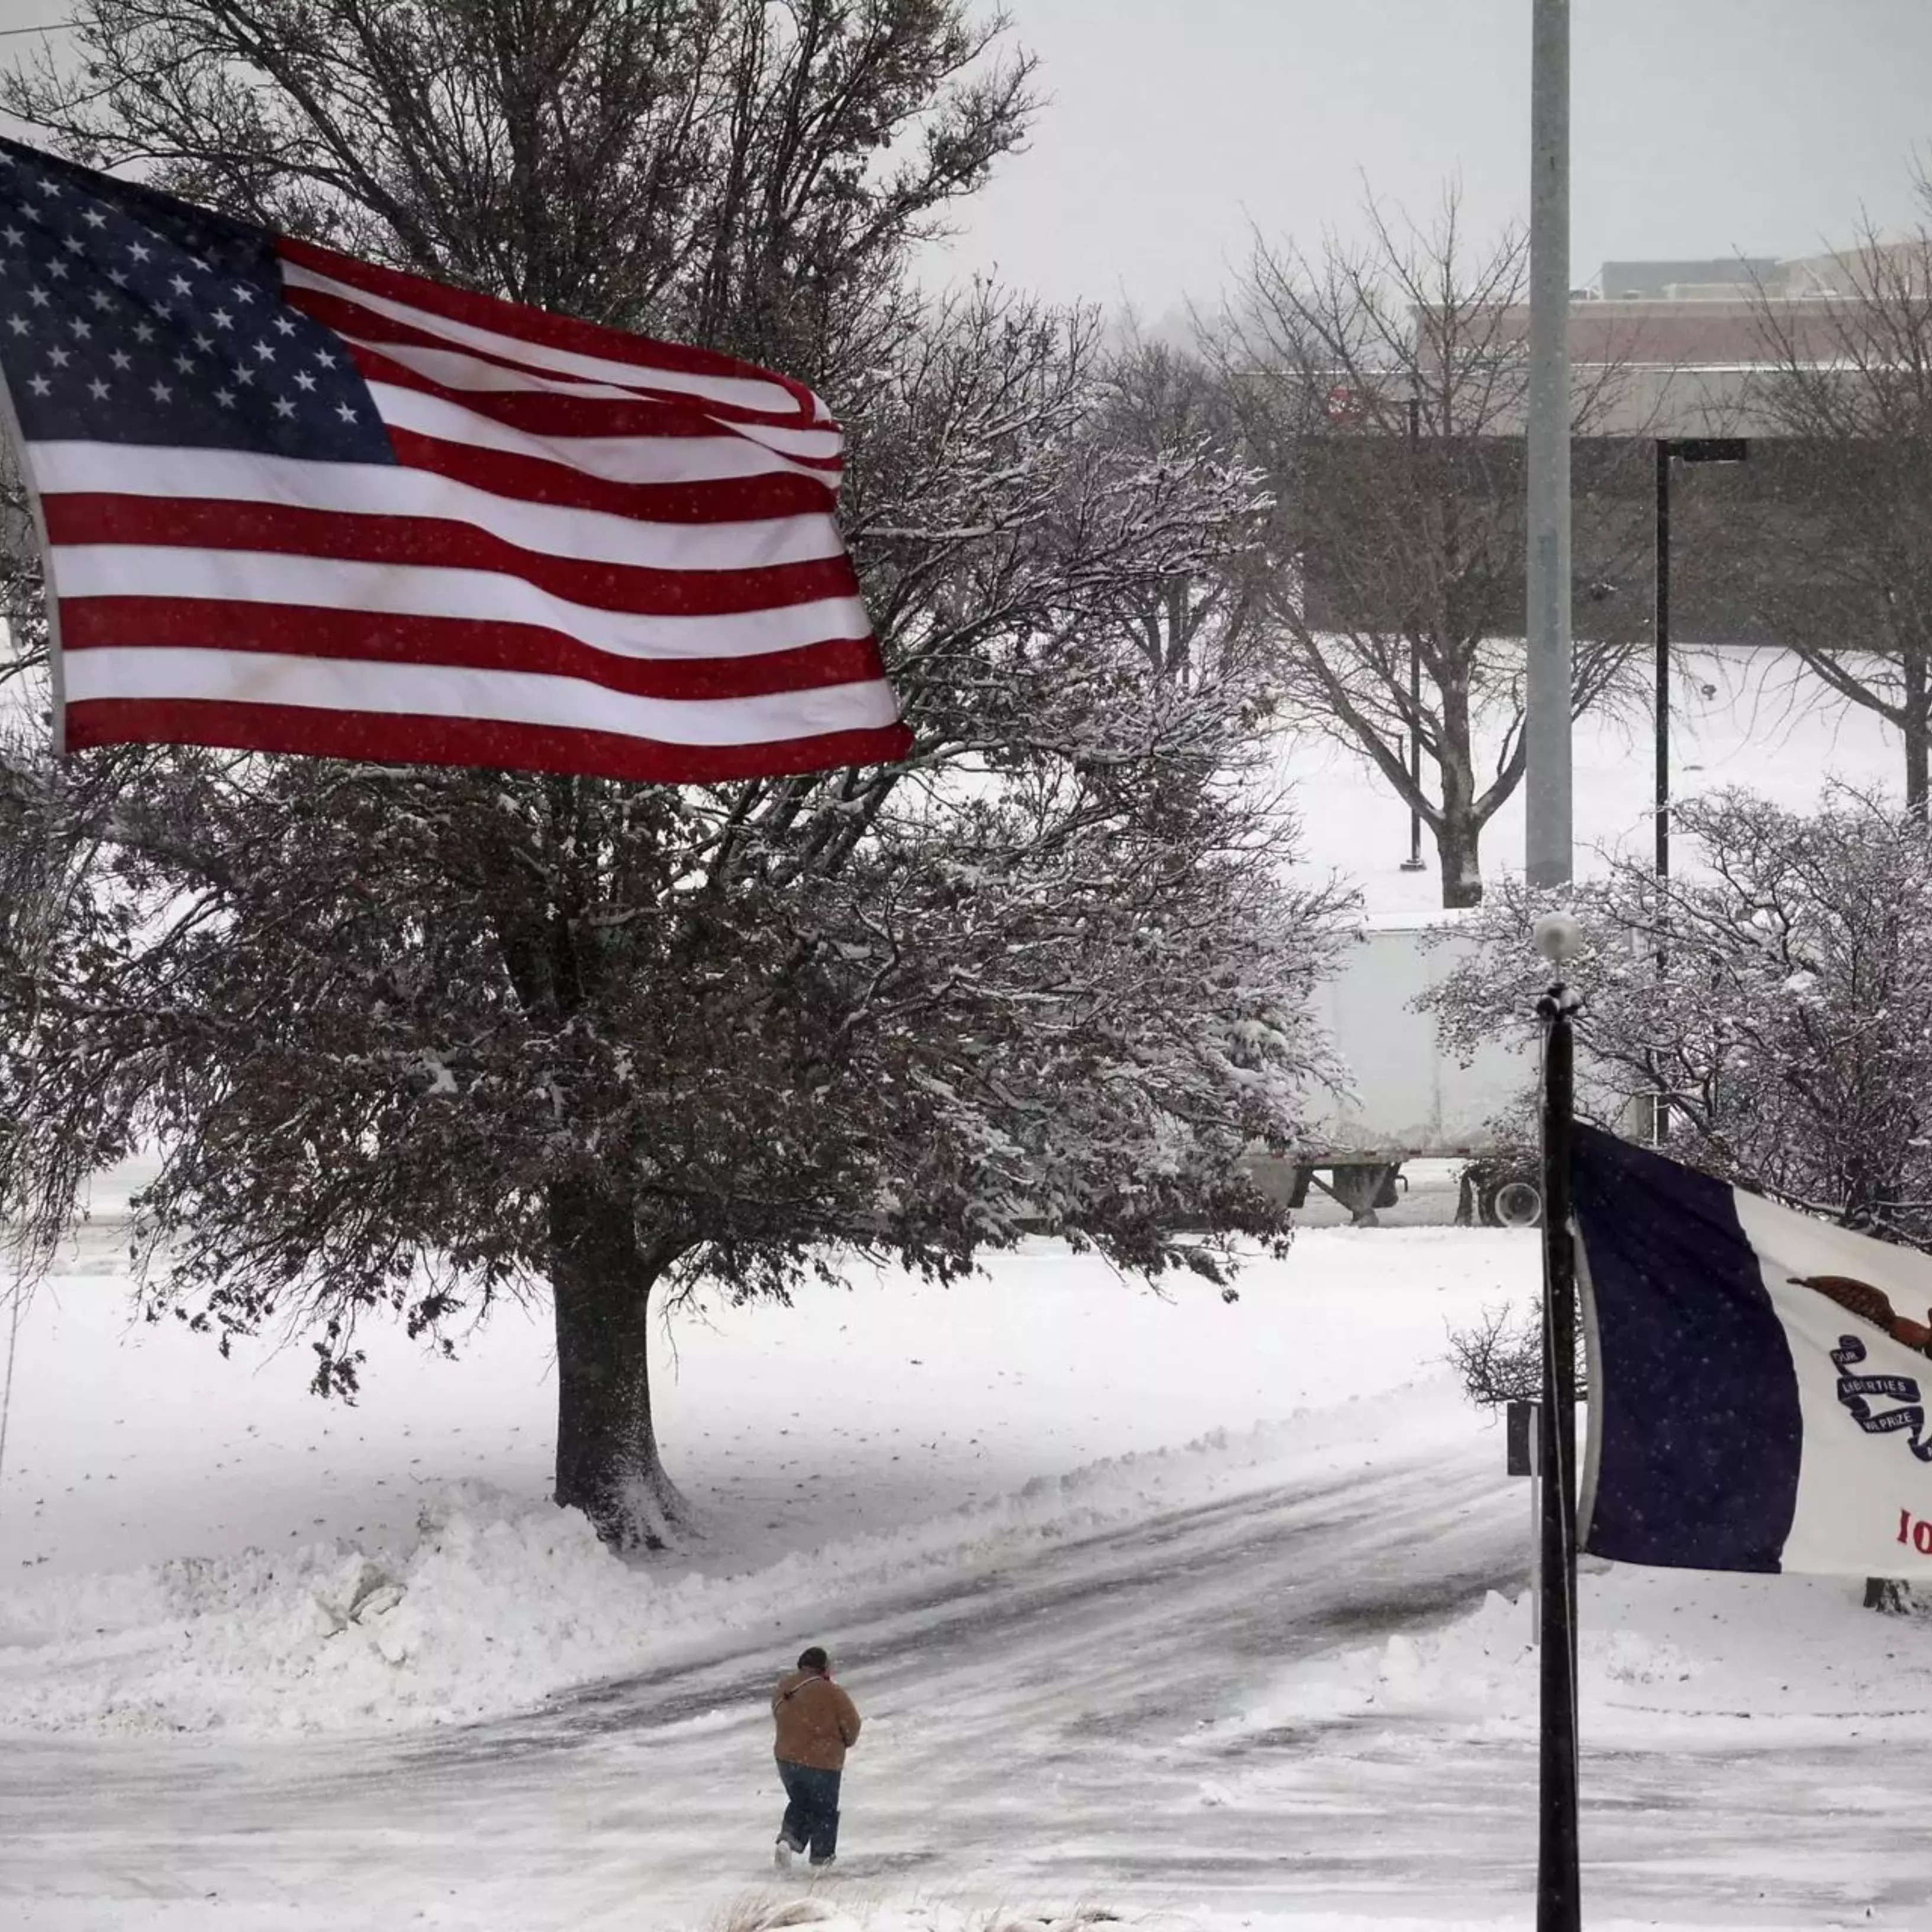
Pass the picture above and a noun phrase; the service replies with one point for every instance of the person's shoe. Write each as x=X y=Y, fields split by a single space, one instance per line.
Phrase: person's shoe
x=781 y=1854
x=824 y=1864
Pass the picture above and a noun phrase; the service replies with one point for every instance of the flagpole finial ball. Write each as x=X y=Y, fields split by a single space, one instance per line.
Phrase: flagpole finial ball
x=1558 y=937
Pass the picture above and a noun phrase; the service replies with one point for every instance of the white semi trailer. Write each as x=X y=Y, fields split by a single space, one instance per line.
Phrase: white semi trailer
x=1408 y=1098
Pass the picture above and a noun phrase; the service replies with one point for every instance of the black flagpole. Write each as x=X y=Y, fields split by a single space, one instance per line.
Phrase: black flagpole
x=1559 y=1896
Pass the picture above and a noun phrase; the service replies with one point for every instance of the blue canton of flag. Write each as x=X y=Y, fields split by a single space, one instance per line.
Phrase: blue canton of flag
x=126 y=317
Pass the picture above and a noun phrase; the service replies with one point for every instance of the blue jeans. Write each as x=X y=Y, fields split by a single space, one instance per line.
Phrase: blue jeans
x=811 y=1812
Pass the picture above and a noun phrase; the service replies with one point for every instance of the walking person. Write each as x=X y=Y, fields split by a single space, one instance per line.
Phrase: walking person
x=817 y=1725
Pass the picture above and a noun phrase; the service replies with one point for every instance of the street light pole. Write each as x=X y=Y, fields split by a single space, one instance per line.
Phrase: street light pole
x=1692 y=449
x=1413 y=863
x=1660 y=699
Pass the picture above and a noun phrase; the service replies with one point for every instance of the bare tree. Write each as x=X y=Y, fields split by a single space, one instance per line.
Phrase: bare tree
x=1384 y=389
x=1838 y=565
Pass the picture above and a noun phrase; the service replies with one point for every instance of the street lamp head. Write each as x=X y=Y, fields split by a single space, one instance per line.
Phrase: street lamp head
x=1557 y=936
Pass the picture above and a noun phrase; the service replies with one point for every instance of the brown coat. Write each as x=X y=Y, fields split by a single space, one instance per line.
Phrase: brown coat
x=817 y=1723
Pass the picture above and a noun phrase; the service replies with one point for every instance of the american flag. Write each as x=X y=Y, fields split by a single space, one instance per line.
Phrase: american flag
x=292 y=501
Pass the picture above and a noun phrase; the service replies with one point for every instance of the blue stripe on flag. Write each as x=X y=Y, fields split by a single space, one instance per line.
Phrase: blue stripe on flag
x=1699 y=1431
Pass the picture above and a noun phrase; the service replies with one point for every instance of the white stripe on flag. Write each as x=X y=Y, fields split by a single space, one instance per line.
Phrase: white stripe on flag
x=436 y=690
x=739 y=392
x=264 y=577
x=461 y=371
x=1853 y=1486
x=620 y=459
x=388 y=490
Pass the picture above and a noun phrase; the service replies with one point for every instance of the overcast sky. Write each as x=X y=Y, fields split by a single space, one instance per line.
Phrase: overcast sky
x=1700 y=127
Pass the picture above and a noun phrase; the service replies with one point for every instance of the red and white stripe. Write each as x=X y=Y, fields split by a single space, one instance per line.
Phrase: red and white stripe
x=597 y=554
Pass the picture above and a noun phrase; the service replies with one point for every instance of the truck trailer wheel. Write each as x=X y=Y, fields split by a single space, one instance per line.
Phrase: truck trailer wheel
x=1515 y=1201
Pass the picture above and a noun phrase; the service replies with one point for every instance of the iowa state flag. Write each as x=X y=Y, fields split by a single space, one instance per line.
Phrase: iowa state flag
x=1760 y=1379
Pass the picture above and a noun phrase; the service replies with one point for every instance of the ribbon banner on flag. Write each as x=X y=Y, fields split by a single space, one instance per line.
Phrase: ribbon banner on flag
x=1761 y=1381
x=291 y=502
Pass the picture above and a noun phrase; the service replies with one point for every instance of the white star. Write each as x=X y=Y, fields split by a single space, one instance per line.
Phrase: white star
x=180 y=284
x=163 y=309
x=47 y=188
x=160 y=391
x=139 y=250
x=304 y=380
x=74 y=245
x=284 y=326
x=266 y=350
x=345 y=412
x=284 y=407
x=205 y=343
x=58 y=357
x=98 y=389
x=15 y=236
x=199 y=263
x=184 y=363
x=327 y=361
x=222 y=318
x=37 y=296
x=144 y=331
x=226 y=397
x=58 y=269
x=94 y=218
x=40 y=385
x=117 y=277
x=18 y=324
x=243 y=292
x=101 y=298
x=243 y=373
x=34 y=214
x=121 y=359
x=80 y=330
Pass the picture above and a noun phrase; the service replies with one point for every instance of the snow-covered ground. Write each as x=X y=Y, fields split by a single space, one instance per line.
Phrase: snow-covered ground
x=1191 y=1611
x=1735 y=720
x=1196 y=1612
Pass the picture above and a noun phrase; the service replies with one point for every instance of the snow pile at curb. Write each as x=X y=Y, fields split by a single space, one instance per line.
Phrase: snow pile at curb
x=1705 y=1658
x=495 y=1603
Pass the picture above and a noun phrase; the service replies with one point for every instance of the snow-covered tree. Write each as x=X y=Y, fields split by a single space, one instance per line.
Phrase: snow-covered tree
x=411 y=1040
x=1778 y=992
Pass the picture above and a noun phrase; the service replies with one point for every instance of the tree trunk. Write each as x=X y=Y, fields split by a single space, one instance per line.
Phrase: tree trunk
x=1457 y=829
x=1456 y=833
x=1917 y=730
x=607 y=1450
x=1887 y=1595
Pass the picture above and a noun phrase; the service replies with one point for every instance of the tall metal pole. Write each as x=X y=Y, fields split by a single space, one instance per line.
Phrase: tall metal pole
x=1547 y=817
x=1661 y=702
x=1660 y=1125
x=1559 y=1882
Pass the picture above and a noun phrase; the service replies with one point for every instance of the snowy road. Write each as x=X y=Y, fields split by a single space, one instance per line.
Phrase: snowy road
x=1068 y=1728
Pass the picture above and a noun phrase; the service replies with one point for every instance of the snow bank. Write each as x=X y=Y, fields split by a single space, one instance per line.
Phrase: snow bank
x=494 y=1602
x=1702 y=1659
